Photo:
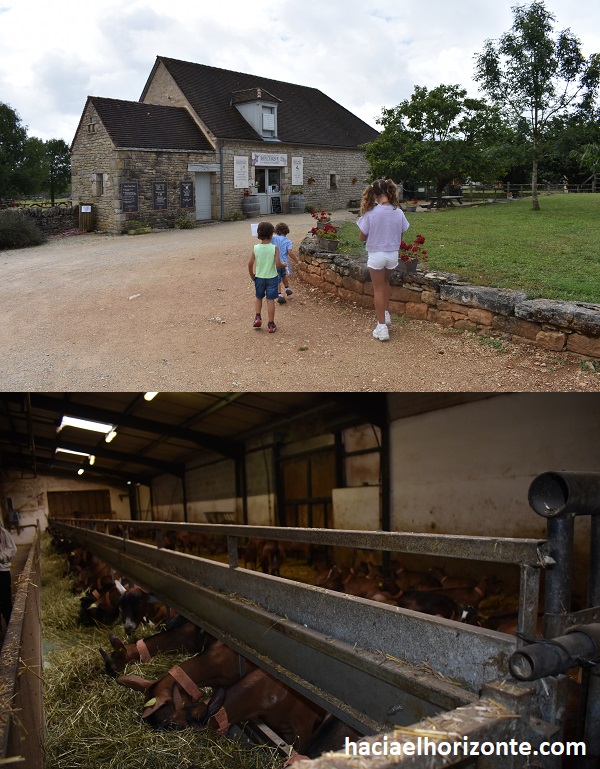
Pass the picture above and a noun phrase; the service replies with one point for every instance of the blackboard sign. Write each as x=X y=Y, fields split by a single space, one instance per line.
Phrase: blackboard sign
x=186 y=194
x=129 y=198
x=276 y=205
x=159 y=196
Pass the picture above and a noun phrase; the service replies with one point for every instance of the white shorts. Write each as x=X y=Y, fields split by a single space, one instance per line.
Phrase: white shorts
x=379 y=260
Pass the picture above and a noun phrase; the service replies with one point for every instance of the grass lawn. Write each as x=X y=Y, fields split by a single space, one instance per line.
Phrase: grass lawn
x=553 y=253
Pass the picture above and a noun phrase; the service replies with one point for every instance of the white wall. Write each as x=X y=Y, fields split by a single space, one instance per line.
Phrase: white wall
x=197 y=511
x=29 y=498
x=467 y=469
x=261 y=510
x=356 y=508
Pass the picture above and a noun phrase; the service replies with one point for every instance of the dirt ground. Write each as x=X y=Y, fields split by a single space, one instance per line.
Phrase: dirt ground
x=173 y=310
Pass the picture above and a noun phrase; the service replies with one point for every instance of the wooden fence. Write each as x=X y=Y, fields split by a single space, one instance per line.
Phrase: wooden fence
x=495 y=191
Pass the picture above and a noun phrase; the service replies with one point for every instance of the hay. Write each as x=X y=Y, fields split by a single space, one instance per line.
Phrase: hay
x=91 y=721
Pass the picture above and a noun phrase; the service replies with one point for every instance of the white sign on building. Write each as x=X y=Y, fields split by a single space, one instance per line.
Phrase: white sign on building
x=240 y=172
x=268 y=159
x=297 y=172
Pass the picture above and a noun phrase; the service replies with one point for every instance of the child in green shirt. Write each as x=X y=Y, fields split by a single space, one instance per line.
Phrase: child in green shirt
x=263 y=266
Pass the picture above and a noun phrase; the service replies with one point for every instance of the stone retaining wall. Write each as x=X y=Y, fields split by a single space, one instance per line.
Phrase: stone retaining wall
x=449 y=300
x=54 y=220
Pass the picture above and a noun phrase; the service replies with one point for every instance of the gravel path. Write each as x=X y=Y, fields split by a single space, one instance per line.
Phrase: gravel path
x=173 y=311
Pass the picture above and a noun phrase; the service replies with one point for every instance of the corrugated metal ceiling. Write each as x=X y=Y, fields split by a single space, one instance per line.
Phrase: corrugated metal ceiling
x=160 y=436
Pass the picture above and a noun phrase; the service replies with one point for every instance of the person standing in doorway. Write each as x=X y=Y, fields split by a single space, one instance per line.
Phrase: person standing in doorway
x=382 y=223
x=7 y=552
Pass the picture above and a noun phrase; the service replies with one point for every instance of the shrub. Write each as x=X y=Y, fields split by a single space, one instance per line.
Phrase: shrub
x=184 y=223
x=135 y=224
x=17 y=231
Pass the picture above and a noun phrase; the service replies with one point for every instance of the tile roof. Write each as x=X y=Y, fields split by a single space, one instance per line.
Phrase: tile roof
x=145 y=126
x=305 y=115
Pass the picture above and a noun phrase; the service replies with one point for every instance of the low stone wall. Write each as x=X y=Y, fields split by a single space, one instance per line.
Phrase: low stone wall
x=54 y=220
x=448 y=300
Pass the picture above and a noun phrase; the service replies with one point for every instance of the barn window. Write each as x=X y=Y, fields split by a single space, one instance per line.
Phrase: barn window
x=333 y=181
x=99 y=184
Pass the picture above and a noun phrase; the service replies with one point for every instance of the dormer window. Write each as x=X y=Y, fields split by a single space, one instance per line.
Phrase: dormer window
x=268 y=119
x=258 y=108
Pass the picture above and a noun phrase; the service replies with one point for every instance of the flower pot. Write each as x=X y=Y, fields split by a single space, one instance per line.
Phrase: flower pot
x=408 y=267
x=325 y=244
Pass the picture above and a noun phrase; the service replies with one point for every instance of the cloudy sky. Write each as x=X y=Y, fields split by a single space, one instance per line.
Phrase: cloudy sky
x=365 y=54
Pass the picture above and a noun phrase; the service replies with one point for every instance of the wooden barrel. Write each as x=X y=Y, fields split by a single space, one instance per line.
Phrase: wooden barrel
x=251 y=206
x=297 y=204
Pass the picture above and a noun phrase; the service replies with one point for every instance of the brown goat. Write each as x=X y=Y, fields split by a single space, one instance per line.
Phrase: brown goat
x=169 y=698
x=259 y=695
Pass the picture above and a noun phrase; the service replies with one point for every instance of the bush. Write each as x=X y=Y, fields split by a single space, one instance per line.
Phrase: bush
x=184 y=223
x=135 y=224
x=18 y=231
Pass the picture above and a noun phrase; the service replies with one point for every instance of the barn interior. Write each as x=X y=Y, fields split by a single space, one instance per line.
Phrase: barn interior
x=441 y=482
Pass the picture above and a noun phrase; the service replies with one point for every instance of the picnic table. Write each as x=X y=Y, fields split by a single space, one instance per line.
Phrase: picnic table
x=446 y=200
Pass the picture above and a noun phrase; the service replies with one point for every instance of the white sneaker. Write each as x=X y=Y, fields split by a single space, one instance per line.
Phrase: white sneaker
x=381 y=333
x=388 y=319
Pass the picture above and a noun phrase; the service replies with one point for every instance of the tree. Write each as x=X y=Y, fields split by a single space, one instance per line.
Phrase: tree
x=588 y=157
x=29 y=165
x=13 y=137
x=438 y=136
x=536 y=77
x=58 y=162
x=564 y=142
x=30 y=173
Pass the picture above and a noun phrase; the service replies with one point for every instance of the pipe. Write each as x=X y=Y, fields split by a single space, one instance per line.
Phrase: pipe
x=30 y=434
x=222 y=165
x=555 y=494
x=578 y=646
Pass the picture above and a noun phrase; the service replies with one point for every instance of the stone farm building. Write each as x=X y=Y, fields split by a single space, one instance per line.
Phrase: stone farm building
x=201 y=137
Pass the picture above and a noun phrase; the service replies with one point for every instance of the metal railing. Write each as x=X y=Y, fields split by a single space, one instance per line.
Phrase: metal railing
x=379 y=667
x=372 y=665
x=22 y=727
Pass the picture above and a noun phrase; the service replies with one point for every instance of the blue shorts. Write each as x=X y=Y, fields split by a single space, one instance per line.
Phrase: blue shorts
x=282 y=273
x=267 y=286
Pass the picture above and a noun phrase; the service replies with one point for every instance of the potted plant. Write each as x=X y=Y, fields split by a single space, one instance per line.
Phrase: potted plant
x=327 y=236
x=322 y=217
x=410 y=254
x=411 y=206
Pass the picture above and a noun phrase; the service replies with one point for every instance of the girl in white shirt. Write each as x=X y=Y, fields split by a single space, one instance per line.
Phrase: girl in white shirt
x=382 y=224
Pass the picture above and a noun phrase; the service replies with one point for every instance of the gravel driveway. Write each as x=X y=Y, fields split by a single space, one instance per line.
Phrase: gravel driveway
x=173 y=310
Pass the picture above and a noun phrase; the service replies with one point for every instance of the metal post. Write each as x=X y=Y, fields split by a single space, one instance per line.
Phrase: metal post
x=594 y=581
x=384 y=474
x=558 y=576
x=232 y=551
x=559 y=496
x=529 y=590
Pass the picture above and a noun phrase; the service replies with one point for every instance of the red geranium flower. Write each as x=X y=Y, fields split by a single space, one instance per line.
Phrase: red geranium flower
x=409 y=251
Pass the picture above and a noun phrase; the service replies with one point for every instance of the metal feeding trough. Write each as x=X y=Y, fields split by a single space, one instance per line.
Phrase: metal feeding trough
x=395 y=675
